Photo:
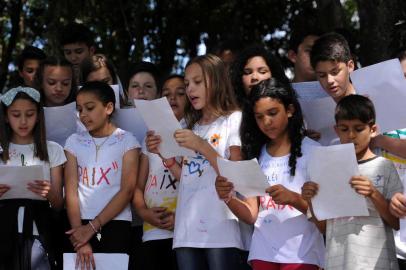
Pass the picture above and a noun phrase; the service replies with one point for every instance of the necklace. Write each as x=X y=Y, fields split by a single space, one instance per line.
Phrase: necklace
x=98 y=146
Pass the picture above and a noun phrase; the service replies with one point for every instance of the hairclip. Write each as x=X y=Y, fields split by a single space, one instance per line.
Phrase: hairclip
x=10 y=95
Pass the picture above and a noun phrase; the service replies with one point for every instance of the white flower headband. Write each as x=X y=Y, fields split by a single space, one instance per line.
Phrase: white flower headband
x=10 y=95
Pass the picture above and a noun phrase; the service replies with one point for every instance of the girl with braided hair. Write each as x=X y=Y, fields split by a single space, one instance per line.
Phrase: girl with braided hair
x=272 y=130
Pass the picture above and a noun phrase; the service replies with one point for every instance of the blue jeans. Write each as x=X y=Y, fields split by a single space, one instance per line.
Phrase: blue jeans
x=207 y=258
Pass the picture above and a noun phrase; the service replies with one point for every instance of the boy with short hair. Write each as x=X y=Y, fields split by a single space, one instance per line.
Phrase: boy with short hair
x=28 y=63
x=332 y=61
x=77 y=42
x=362 y=242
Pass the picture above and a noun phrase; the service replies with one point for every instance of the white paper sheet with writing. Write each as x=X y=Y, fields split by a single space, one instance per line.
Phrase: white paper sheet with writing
x=130 y=119
x=17 y=178
x=103 y=261
x=246 y=175
x=309 y=90
x=385 y=84
x=158 y=116
x=319 y=116
x=332 y=167
x=60 y=122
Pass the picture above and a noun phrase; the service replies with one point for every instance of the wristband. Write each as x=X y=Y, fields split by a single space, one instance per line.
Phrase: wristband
x=165 y=162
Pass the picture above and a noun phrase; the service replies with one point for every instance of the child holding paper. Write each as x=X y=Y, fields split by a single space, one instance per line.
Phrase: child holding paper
x=157 y=190
x=362 y=242
x=272 y=130
x=207 y=234
x=26 y=224
x=100 y=176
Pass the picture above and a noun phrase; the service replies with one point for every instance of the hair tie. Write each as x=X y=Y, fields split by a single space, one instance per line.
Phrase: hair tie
x=10 y=95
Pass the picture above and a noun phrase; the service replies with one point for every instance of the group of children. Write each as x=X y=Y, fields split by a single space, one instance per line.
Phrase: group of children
x=192 y=217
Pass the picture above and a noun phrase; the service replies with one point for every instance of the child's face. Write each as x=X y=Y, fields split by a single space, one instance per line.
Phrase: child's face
x=272 y=118
x=301 y=59
x=56 y=84
x=142 y=86
x=22 y=116
x=75 y=53
x=102 y=75
x=92 y=112
x=195 y=86
x=174 y=91
x=255 y=71
x=30 y=67
x=334 y=77
x=356 y=132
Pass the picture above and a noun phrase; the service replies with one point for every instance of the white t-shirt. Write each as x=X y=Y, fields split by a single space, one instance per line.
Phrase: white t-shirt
x=282 y=233
x=100 y=180
x=202 y=219
x=161 y=190
x=23 y=155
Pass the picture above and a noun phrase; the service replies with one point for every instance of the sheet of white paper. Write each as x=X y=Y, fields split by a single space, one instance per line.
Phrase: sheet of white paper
x=60 y=122
x=103 y=261
x=309 y=90
x=159 y=117
x=385 y=84
x=332 y=167
x=319 y=116
x=17 y=178
x=246 y=175
x=130 y=119
x=116 y=89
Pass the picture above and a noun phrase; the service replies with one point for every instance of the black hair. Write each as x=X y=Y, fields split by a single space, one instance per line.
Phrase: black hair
x=76 y=33
x=298 y=36
x=95 y=63
x=253 y=138
x=55 y=61
x=150 y=68
x=355 y=107
x=102 y=90
x=401 y=55
x=237 y=69
x=170 y=77
x=39 y=132
x=330 y=47
x=30 y=52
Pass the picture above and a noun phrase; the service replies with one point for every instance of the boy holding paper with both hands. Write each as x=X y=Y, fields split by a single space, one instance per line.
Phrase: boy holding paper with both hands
x=362 y=242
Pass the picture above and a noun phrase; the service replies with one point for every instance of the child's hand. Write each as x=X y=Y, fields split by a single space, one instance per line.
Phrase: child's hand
x=186 y=138
x=84 y=258
x=280 y=194
x=40 y=187
x=397 y=205
x=154 y=215
x=224 y=188
x=168 y=221
x=309 y=190
x=152 y=142
x=80 y=236
x=312 y=134
x=3 y=189
x=362 y=185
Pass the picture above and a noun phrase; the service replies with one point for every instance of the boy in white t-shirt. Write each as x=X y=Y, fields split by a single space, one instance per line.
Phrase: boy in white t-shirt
x=362 y=242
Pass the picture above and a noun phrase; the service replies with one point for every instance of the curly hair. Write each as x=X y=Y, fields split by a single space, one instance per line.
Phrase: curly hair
x=237 y=70
x=252 y=138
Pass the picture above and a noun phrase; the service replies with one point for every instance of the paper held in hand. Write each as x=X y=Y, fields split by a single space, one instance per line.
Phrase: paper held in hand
x=246 y=175
x=158 y=116
x=332 y=167
x=17 y=178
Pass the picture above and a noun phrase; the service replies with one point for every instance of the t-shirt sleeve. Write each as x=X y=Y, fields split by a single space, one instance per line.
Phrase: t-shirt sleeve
x=70 y=144
x=131 y=142
x=234 y=123
x=394 y=184
x=56 y=154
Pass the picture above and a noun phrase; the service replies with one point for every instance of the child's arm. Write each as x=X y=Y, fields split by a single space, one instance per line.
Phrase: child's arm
x=246 y=210
x=55 y=195
x=154 y=215
x=309 y=190
x=284 y=196
x=152 y=142
x=364 y=186
x=397 y=205
x=3 y=189
x=392 y=145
